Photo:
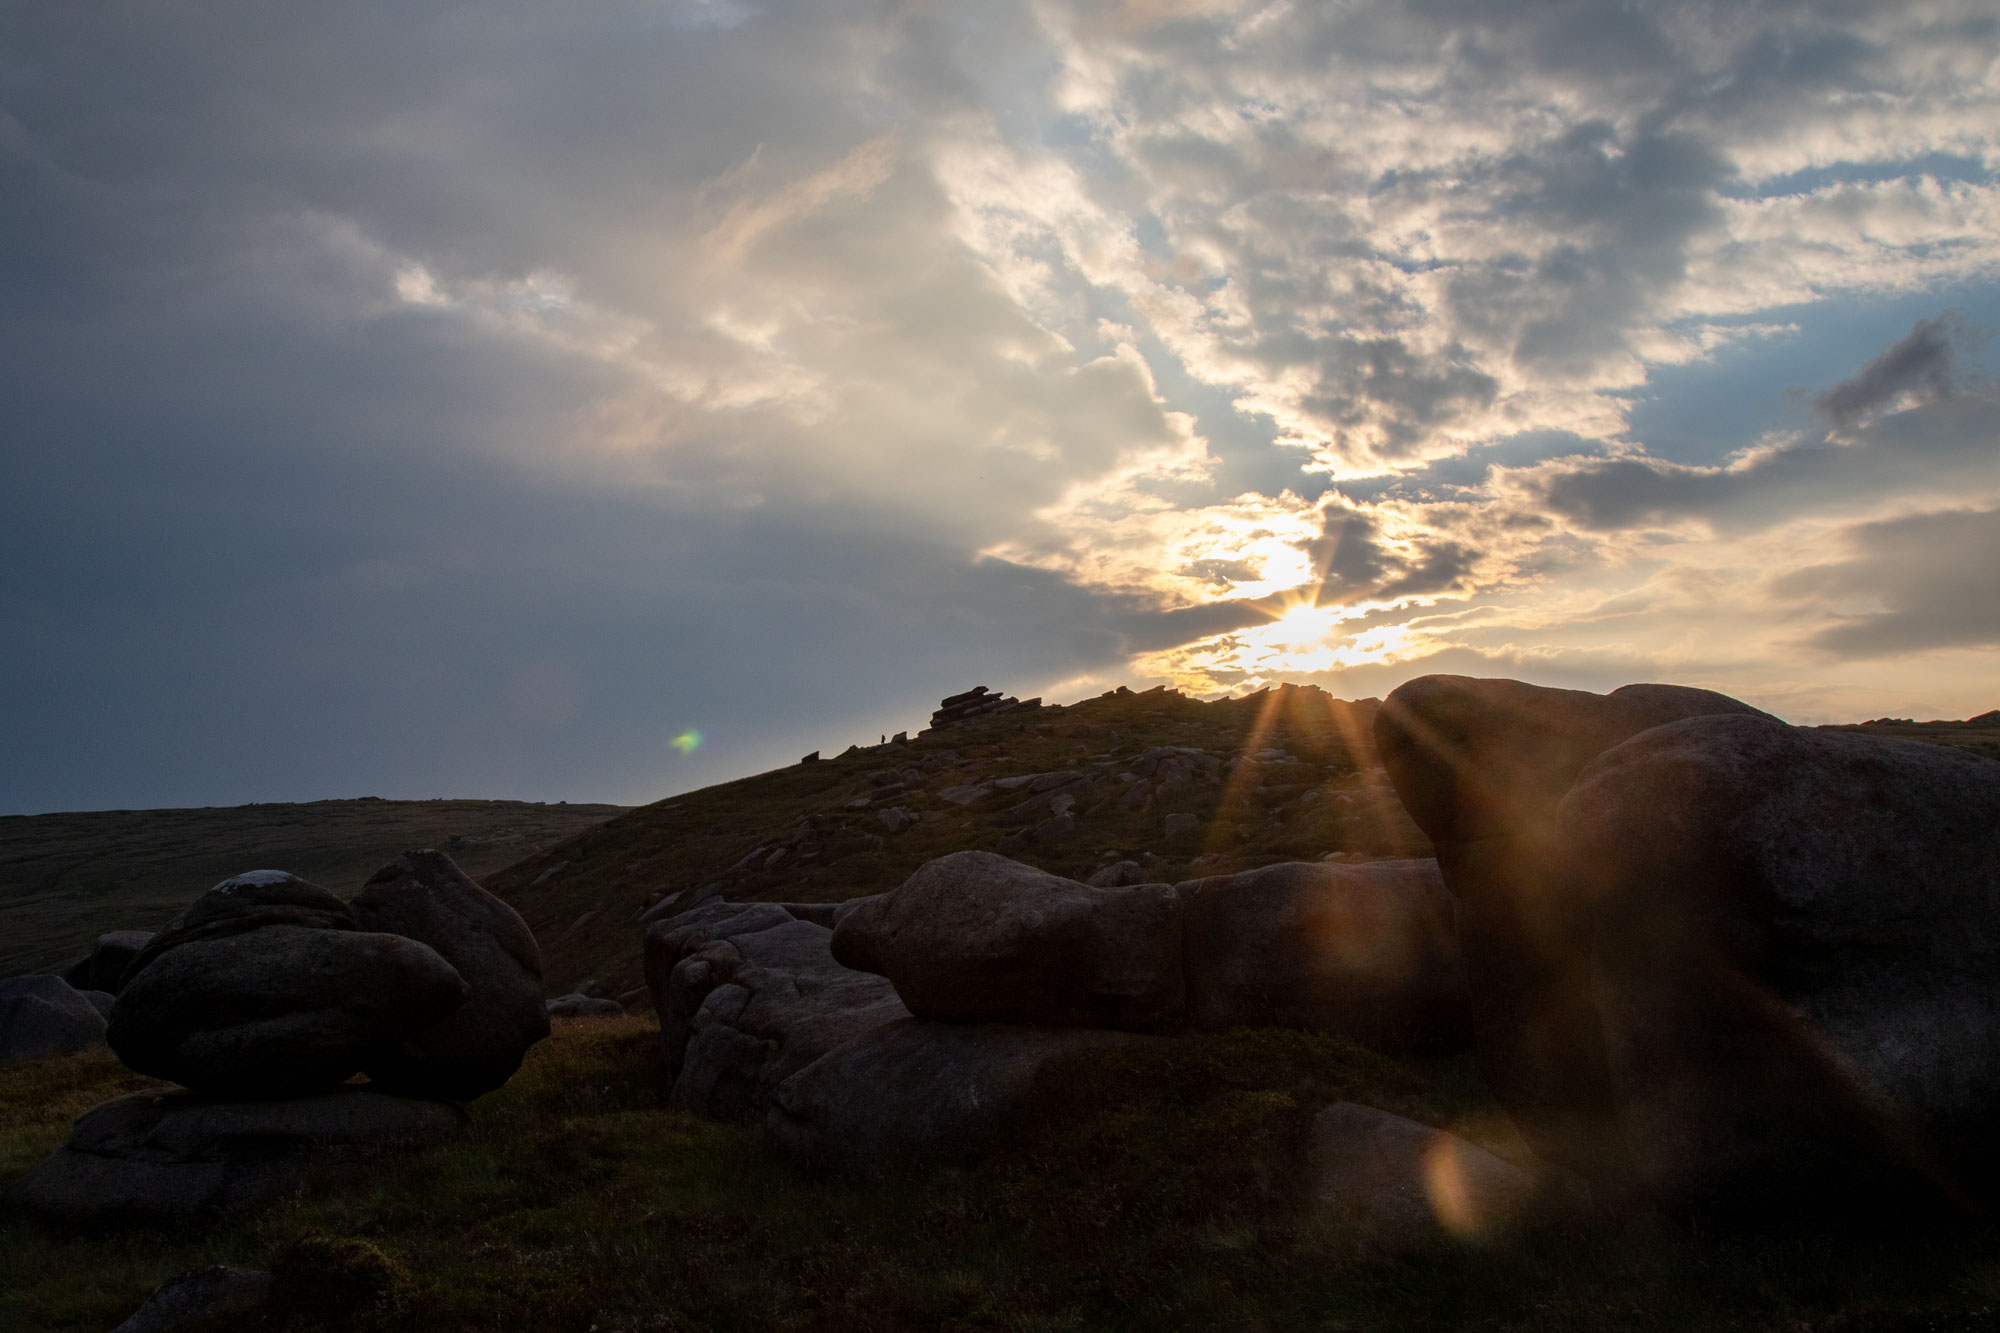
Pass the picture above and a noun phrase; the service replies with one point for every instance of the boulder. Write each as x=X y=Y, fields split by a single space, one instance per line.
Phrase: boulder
x=101 y=1001
x=170 y=1156
x=748 y=995
x=1366 y=951
x=974 y=938
x=278 y=1011
x=103 y=968
x=1795 y=965
x=914 y=1092
x=243 y=903
x=475 y=1048
x=1411 y=1182
x=43 y=1016
x=1481 y=765
x=211 y=1298
x=583 y=1006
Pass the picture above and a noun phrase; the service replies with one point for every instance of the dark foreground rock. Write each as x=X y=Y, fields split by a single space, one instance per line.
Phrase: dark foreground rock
x=748 y=995
x=213 y=1298
x=914 y=1092
x=104 y=967
x=973 y=937
x=42 y=1016
x=173 y=1156
x=263 y=988
x=1481 y=766
x=1365 y=951
x=475 y=1048
x=1410 y=1181
x=1795 y=964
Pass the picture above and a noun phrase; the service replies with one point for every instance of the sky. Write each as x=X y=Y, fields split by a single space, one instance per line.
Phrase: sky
x=598 y=400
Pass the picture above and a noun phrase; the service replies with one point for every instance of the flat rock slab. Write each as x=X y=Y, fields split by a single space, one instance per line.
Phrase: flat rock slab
x=169 y=1156
x=914 y=1092
x=1409 y=1180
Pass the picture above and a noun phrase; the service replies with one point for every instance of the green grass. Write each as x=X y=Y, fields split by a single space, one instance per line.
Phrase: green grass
x=1162 y=1190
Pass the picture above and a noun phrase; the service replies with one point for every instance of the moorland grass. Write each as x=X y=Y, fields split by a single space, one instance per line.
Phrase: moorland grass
x=1163 y=1189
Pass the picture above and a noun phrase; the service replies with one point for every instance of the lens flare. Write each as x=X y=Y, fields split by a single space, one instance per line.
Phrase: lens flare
x=687 y=742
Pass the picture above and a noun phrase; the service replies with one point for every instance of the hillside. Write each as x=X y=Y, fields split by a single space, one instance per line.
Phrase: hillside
x=1980 y=735
x=1296 y=781
x=64 y=878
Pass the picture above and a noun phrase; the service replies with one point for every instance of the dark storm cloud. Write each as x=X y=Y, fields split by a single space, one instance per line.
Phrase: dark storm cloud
x=1932 y=575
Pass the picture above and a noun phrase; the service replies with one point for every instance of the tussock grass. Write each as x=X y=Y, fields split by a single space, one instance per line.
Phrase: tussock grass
x=1162 y=1190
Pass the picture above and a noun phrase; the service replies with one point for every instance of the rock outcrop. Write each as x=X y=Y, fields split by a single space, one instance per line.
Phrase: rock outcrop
x=1410 y=1182
x=42 y=1016
x=263 y=988
x=973 y=937
x=476 y=1047
x=975 y=702
x=1795 y=963
x=748 y=995
x=103 y=968
x=172 y=1156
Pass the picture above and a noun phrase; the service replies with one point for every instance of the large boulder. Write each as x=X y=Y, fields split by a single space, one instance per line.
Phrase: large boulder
x=476 y=1048
x=42 y=1016
x=103 y=968
x=169 y=1156
x=1366 y=951
x=973 y=937
x=1481 y=766
x=241 y=997
x=1795 y=964
x=748 y=995
x=913 y=1092
x=1410 y=1182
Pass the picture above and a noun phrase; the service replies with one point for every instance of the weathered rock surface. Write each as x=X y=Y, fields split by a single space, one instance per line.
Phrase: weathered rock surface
x=583 y=1006
x=213 y=1298
x=973 y=937
x=274 y=1009
x=1366 y=951
x=475 y=1048
x=913 y=1092
x=1412 y=1181
x=42 y=1016
x=173 y=1156
x=103 y=968
x=748 y=995
x=1481 y=765
x=1795 y=962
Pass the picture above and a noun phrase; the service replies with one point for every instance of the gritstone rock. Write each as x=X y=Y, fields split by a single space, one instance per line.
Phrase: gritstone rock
x=748 y=995
x=1409 y=1180
x=1796 y=964
x=476 y=1048
x=916 y=1092
x=1367 y=951
x=1480 y=766
x=172 y=1156
x=42 y=1016
x=583 y=1006
x=241 y=997
x=212 y=1298
x=104 y=967
x=973 y=937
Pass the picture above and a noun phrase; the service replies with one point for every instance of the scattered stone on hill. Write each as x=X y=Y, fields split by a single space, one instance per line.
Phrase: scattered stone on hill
x=42 y=1016
x=1368 y=952
x=103 y=968
x=975 y=702
x=911 y=1092
x=895 y=819
x=1181 y=825
x=424 y=896
x=170 y=1156
x=1796 y=963
x=974 y=937
x=1410 y=1181
x=1480 y=766
x=206 y=1300
x=1118 y=875
x=579 y=1005
x=748 y=995
x=241 y=997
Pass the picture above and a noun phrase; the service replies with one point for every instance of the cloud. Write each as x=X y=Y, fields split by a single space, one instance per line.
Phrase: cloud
x=1918 y=368
x=1927 y=579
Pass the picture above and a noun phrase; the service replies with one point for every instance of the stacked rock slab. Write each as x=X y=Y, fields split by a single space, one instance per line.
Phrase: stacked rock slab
x=166 y=1156
x=1796 y=965
x=424 y=896
x=265 y=988
x=975 y=702
x=1481 y=765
